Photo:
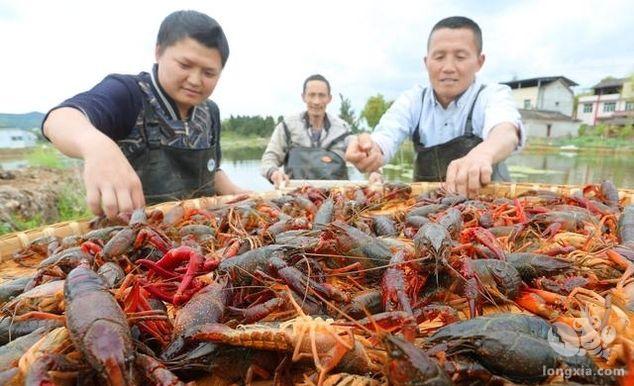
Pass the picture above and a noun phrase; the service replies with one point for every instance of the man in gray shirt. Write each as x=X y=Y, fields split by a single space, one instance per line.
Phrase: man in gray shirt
x=309 y=145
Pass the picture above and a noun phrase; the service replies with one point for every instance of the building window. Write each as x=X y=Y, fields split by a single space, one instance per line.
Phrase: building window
x=609 y=107
x=527 y=103
x=556 y=103
x=587 y=107
x=629 y=106
x=16 y=138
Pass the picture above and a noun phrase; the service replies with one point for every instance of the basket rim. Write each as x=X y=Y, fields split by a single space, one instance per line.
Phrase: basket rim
x=13 y=242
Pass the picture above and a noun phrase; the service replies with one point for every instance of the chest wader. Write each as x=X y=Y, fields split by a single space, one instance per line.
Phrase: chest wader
x=431 y=162
x=172 y=173
x=315 y=162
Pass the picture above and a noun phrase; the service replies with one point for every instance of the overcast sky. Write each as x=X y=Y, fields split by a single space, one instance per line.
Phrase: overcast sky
x=52 y=50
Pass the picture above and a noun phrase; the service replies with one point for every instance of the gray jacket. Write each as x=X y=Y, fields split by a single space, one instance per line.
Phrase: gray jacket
x=275 y=153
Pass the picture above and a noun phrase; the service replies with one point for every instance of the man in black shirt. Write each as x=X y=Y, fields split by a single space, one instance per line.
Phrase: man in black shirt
x=155 y=136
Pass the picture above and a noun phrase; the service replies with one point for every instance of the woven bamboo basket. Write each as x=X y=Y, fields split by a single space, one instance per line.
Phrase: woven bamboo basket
x=14 y=242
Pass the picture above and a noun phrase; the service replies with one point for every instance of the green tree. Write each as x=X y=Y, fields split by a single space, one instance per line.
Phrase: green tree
x=347 y=113
x=249 y=125
x=374 y=109
x=627 y=131
x=601 y=130
x=583 y=129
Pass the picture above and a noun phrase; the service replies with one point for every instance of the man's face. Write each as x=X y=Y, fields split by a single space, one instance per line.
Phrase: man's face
x=188 y=71
x=452 y=61
x=316 y=97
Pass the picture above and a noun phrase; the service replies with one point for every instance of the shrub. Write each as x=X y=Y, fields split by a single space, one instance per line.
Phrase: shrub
x=45 y=157
x=627 y=131
x=583 y=129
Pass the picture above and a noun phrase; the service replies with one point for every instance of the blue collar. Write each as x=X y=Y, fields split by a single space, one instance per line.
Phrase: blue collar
x=459 y=101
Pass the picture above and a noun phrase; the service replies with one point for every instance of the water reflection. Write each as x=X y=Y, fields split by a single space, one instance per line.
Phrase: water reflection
x=13 y=164
x=527 y=166
x=575 y=169
x=242 y=165
x=246 y=174
x=544 y=167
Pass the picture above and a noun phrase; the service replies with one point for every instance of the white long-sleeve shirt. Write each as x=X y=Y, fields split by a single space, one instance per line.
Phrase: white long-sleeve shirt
x=438 y=125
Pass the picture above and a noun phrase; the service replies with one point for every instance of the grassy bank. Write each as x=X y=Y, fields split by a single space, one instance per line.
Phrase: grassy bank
x=584 y=144
x=70 y=205
x=48 y=172
x=233 y=141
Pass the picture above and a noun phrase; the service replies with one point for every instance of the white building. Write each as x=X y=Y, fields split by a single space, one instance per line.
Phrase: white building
x=546 y=105
x=612 y=102
x=16 y=138
x=550 y=93
x=548 y=124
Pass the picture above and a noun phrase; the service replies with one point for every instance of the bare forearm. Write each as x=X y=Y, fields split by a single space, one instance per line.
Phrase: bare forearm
x=500 y=143
x=112 y=185
x=224 y=185
x=73 y=134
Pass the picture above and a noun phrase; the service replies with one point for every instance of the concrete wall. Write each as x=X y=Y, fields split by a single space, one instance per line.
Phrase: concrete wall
x=16 y=139
x=555 y=96
x=596 y=102
x=539 y=128
x=522 y=94
x=628 y=89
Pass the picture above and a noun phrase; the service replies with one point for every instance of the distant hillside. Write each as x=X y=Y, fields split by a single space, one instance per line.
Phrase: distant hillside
x=21 y=121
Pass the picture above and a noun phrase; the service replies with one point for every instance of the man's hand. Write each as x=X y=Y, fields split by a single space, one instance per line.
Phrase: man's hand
x=364 y=153
x=375 y=178
x=468 y=174
x=112 y=185
x=278 y=178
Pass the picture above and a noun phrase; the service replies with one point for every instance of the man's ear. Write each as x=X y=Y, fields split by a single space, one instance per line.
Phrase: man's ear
x=425 y=62
x=481 y=61
x=157 y=52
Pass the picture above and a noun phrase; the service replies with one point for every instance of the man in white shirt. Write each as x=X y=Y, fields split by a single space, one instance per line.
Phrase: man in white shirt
x=462 y=130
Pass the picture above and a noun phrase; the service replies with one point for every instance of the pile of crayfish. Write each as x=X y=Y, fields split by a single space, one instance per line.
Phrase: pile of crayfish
x=339 y=286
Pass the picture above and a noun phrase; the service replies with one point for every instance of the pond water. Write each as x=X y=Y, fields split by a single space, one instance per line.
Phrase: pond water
x=527 y=166
x=242 y=165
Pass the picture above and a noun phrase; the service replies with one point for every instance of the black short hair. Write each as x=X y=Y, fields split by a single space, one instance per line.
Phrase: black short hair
x=456 y=22
x=196 y=25
x=316 y=77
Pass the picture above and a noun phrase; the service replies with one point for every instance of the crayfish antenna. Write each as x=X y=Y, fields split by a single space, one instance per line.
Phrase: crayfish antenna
x=296 y=306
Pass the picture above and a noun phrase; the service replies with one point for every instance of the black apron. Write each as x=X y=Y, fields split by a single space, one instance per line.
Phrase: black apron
x=172 y=166
x=315 y=162
x=431 y=162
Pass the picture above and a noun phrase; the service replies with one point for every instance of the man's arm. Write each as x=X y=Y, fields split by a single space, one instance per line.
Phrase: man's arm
x=369 y=152
x=502 y=132
x=468 y=174
x=397 y=123
x=223 y=185
x=112 y=185
x=274 y=156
